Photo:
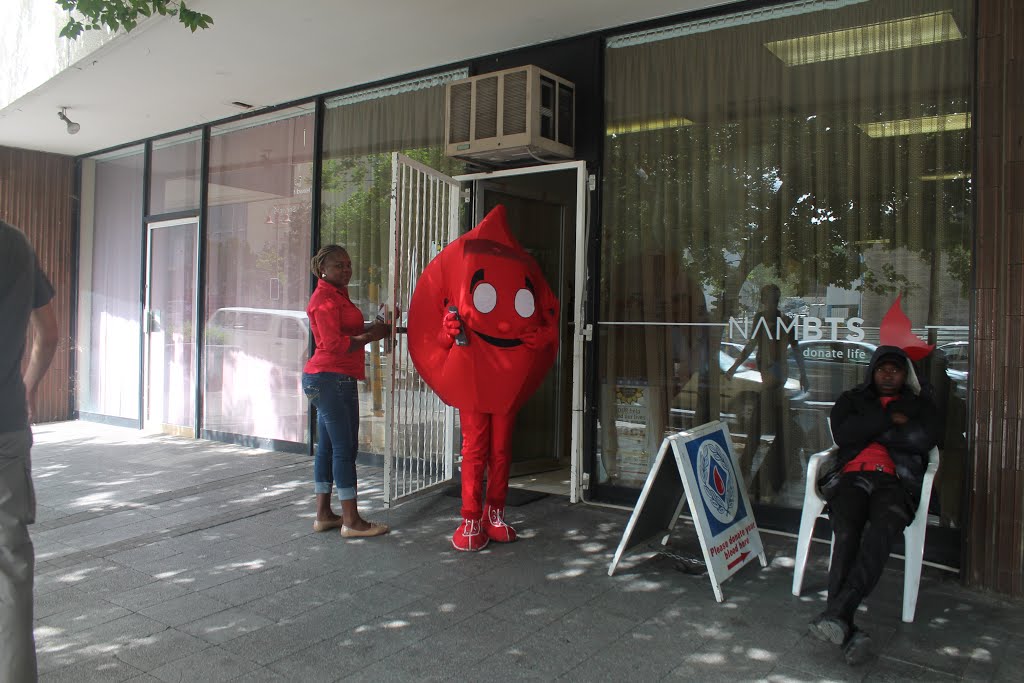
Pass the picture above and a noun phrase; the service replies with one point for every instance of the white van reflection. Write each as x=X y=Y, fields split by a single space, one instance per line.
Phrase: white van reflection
x=279 y=338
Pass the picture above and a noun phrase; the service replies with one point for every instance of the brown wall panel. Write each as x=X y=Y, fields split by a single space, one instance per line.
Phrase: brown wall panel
x=37 y=195
x=994 y=538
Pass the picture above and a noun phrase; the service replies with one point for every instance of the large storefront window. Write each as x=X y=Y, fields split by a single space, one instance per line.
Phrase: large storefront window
x=807 y=168
x=174 y=173
x=361 y=132
x=109 y=301
x=257 y=283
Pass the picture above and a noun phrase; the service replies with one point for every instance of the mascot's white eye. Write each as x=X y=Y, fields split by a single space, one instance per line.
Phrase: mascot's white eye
x=485 y=298
x=524 y=303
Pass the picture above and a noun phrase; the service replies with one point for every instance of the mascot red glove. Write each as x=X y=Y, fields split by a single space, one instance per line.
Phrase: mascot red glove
x=483 y=333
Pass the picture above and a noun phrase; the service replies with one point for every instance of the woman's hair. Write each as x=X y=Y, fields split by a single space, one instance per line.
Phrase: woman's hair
x=316 y=264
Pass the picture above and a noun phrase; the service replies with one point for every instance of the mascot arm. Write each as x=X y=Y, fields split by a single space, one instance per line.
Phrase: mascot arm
x=451 y=326
x=547 y=333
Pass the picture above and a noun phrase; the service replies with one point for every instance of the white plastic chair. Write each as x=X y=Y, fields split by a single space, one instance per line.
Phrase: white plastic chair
x=913 y=535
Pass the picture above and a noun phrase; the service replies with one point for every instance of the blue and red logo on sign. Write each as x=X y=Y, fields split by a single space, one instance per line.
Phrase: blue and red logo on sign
x=718 y=484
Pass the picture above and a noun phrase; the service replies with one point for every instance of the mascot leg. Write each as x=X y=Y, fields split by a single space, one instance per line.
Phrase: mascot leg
x=498 y=466
x=476 y=442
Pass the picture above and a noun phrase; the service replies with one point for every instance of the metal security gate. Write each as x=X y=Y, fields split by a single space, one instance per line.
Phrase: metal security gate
x=419 y=439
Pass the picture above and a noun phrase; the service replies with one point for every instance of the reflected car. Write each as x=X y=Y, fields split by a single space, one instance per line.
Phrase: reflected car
x=958 y=364
x=738 y=395
x=832 y=365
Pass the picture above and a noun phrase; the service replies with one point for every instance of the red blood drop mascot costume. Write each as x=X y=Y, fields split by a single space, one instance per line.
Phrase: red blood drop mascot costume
x=485 y=358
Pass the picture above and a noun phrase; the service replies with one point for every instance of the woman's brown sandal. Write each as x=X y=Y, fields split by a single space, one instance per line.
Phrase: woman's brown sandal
x=376 y=529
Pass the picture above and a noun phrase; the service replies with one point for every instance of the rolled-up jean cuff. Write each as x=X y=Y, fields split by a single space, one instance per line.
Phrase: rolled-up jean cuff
x=321 y=487
x=347 y=494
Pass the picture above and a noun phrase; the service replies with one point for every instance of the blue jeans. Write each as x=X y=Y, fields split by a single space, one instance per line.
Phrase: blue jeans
x=336 y=400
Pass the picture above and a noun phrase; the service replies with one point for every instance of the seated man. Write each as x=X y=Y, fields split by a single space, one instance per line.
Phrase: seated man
x=884 y=429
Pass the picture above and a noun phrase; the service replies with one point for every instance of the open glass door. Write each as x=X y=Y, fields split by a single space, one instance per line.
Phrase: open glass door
x=419 y=439
x=171 y=268
x=550 y=221
x=419 y=428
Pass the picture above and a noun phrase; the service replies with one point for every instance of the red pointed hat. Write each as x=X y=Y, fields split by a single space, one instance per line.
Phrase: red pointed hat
x=500 y=294
x=896 y=330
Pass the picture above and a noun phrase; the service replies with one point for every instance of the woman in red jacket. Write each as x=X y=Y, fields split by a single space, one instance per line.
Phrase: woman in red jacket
x=329 y=381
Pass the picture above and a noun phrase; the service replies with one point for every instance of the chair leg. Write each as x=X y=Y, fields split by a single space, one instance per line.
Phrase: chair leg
x=812 y=508
x=913 y=540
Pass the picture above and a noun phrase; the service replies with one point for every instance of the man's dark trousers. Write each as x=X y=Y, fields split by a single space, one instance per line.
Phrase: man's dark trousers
x=868 y=513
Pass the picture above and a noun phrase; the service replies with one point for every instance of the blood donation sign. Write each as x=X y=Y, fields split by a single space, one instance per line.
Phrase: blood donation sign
x=701 y=471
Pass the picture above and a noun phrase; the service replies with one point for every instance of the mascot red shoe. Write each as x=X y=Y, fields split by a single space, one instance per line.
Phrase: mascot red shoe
x=483 y=332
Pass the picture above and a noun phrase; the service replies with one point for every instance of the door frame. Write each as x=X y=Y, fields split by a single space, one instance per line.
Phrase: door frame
x=147 y=321
x=579 y=332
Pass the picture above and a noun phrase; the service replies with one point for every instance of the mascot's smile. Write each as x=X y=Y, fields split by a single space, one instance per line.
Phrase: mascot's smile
x=498 y=341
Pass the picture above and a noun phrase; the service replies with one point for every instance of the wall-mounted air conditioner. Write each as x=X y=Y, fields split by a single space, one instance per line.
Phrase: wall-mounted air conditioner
x=510 y=115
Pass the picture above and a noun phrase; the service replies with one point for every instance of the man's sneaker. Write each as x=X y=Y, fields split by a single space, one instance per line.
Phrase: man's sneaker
x=495 y=527
x=830 y=629
x=470 y=536
x=857 y=649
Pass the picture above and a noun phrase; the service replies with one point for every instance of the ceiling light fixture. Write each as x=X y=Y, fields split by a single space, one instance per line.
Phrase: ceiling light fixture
x=72 y=126
x=645 y=126
x=954 y=175
x=919 y=126
x=886 y=36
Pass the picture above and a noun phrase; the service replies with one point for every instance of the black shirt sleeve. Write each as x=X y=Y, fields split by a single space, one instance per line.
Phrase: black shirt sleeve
x=43 y=290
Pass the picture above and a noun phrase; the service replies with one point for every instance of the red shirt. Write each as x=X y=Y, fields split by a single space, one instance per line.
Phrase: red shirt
x=334 y=320
x=873 y=454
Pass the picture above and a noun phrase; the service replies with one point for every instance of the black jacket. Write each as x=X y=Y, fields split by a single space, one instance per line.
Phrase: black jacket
x=859 y=419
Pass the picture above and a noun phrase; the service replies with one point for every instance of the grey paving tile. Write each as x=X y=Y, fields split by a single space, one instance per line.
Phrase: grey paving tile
x=271 y=643
x=103 y=668
x=56 y=601
x=888 y=670
x=114 y=633
x=184 y=609
x=252 y=587
x=223 y=626
x=115 y=580
x=147 y=595
x=292 y=601
x=528 y=607
x=212 y=665
x=383 y=598
x=83 y=614
x=150 y=652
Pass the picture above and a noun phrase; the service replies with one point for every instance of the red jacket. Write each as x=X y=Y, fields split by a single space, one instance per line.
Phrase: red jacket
x=334 y=320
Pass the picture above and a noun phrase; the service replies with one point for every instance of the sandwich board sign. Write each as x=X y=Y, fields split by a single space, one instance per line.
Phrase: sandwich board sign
x=697 y=467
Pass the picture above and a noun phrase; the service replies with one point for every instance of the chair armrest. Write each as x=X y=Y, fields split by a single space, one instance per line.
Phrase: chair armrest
x=815 y=464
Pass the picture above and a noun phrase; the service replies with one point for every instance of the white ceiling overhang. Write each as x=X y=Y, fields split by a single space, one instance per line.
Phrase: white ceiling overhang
x=161 y=78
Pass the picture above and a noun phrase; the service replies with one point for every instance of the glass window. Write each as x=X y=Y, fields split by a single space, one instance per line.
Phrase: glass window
x=257 y=277
x=110 y=300
x=361 y=132
x=767 y=209
x=175 y=172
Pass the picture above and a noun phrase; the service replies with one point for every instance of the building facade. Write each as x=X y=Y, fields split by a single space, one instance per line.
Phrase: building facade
x=766 y=182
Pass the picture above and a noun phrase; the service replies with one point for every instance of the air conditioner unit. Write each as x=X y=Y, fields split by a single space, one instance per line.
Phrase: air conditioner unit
x=510 y=115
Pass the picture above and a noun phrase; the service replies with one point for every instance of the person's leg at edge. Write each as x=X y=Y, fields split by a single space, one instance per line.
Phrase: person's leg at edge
x=17 y=558
x=499 y=463
x=323 y=475
x=476 y=442
x=889 y=515
x=848 y=511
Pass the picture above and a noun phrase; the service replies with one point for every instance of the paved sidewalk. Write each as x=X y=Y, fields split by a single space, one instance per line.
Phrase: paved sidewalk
x=166 y=559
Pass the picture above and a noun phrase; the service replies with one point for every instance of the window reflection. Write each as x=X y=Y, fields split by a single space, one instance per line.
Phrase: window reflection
x=258 y=246
x=360 y=134
x=839 y=176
